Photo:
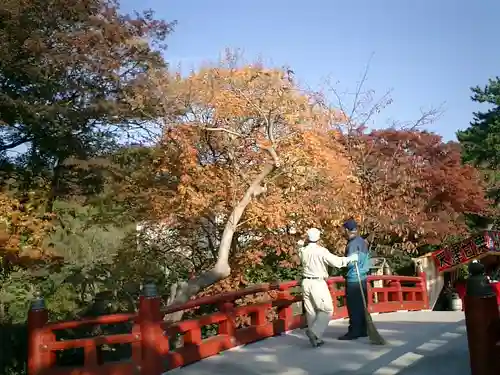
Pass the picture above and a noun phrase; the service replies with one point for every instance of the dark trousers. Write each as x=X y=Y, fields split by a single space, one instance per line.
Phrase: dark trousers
x=355 y=308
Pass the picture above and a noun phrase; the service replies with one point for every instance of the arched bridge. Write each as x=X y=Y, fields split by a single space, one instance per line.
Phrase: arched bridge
x=253 y=331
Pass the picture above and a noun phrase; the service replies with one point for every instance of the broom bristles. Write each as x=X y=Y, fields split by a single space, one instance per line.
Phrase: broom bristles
x=373 y=335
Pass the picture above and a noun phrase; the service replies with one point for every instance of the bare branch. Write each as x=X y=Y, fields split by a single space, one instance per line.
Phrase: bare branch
x=272 y=152
x=232 y=159
x=358 y=90
x=266 y=117
x=426 y=118
x=224 y=130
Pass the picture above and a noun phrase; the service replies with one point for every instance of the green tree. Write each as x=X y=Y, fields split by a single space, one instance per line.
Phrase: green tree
x=481 y=140
x=66 y=68
x=481 y=145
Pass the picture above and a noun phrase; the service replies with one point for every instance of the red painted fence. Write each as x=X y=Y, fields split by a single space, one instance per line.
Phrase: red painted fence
x=232 y=324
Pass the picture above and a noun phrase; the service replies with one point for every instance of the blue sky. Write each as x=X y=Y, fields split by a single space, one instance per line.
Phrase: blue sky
x=429 y=52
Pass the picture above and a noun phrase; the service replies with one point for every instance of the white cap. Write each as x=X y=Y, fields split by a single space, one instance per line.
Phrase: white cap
x=313 y=234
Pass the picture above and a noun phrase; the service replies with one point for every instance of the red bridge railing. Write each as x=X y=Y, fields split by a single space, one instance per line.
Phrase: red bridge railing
x=232 y=322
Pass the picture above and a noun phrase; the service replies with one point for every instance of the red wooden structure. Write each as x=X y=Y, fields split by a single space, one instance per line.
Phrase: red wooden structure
x=149 y=336
x=462 y=252
x=483 y=334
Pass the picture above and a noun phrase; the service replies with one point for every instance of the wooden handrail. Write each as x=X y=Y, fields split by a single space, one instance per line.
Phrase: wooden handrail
x=150 y=337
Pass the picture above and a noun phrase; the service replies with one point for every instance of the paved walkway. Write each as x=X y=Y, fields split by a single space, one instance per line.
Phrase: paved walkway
x=419 y=343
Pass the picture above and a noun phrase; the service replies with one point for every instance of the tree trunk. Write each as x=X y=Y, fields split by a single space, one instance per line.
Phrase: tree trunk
x=54 y=187
x=181 y=292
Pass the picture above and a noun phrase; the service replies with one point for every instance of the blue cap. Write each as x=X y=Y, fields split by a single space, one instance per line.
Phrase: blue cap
x=350 y=224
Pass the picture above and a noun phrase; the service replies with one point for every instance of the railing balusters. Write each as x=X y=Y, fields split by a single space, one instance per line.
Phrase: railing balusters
x=151 y=354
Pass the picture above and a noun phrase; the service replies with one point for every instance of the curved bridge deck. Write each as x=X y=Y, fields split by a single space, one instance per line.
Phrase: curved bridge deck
x=419 y=342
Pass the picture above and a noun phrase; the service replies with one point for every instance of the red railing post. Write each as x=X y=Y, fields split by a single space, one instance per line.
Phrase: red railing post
x=228 y=327
x=400 y=294
x=285 y=312
x=334 y=291
x=369 y=296
x=152 y=338
x=40 y=358
x=480 y=315
x=481 y=318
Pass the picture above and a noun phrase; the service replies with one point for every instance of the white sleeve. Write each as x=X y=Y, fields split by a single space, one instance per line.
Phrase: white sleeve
x=335 y=261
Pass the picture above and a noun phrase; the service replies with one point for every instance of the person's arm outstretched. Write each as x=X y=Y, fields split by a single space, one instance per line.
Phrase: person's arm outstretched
x=338 y=262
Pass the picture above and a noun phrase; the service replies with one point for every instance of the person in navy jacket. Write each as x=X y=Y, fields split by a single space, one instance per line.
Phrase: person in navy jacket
x=356 y=245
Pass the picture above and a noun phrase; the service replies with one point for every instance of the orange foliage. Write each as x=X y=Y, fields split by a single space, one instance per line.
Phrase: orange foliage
x=234 y=122
x=231 y=123
x=415 y=188
x=22 y=230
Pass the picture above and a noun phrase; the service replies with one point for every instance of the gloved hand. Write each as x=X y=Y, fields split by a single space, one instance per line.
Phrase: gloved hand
x=300 y=242
x=353 y=258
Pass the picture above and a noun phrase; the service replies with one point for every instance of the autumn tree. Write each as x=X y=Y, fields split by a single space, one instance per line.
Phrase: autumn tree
x=250 y=156
x=64 y=72
x=22 y=227
x=415 y=190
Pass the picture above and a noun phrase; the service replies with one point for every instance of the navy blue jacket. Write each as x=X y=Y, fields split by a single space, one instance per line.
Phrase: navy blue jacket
x=358 y=245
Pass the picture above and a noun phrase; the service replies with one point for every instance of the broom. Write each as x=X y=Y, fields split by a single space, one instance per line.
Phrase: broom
x=373 y=335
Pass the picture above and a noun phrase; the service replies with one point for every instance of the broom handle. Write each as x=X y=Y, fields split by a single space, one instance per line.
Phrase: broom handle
x=361 y=286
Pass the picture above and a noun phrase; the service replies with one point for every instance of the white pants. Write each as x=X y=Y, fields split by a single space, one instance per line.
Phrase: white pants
x=318 y=305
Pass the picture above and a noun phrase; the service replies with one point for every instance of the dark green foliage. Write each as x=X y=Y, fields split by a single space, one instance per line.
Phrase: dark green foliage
x=481 y=147
x=481 y=140
x=65 y=72
x=66 y=68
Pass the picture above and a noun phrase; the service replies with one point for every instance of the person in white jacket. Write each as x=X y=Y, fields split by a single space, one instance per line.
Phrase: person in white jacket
x=318 y=302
